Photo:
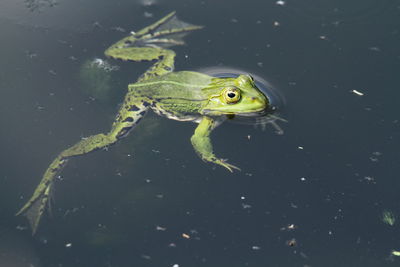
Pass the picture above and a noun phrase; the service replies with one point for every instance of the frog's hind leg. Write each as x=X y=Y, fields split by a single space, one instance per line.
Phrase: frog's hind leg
x=166 y=32
x=151 y=43
x=127 y=118
x=164 y=57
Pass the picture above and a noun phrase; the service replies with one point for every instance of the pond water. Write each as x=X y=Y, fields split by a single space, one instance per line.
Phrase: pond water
x=324 y=193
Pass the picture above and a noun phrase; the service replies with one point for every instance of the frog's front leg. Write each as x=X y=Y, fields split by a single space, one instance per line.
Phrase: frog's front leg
x=128 y=116
x=202 y=143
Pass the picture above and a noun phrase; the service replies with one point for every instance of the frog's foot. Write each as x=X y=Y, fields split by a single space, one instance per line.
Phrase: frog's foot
x=37 y=204
x=224 y=163
x=151 y=43
x=40 y=200
x=166 y=32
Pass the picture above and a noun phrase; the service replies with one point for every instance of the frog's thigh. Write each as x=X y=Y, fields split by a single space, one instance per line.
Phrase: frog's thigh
x=165 y=58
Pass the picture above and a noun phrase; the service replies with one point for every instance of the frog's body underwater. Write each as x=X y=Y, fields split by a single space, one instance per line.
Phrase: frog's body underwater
x=183 y=96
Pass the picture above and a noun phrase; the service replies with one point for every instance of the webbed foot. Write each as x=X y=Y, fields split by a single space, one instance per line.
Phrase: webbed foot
x=223 y=163
x=36 y=205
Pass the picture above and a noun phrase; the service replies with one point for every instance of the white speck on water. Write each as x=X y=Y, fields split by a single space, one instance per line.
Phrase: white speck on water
x=300 y=147
x=276 y=23
x=148 y=15
x=246 y=206
x=146 y=257
x=255 y=248
x=280 y=3
x=374 y=48
x=357 y=92
x=68 y=245
x=172 y=245
x=160 y=228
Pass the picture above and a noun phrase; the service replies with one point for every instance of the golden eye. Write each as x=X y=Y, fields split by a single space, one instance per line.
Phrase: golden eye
x=231 y=95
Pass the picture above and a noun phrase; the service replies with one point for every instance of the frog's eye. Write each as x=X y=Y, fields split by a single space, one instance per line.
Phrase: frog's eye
x=231 y=95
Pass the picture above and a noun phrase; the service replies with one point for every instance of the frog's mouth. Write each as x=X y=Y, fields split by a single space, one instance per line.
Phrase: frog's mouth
x=253 y=113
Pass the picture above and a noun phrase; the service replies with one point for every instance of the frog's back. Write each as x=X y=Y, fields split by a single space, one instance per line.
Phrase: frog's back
x=176 y=95
x=174 y=85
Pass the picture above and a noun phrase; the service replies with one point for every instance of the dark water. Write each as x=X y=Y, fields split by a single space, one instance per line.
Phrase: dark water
x=330 y=176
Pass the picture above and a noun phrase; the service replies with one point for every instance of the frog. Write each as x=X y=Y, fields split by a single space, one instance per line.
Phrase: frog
x=178 y=95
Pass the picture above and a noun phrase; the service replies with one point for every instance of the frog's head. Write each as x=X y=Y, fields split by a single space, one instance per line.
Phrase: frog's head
x=234 y=96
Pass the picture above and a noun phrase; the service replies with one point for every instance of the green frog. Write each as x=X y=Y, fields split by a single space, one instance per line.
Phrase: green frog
x=182 y=96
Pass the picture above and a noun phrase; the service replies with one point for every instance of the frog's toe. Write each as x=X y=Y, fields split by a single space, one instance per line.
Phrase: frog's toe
x=230 y=167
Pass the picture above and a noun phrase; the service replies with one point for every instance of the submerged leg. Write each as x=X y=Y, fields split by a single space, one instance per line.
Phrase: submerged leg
x=202 y=143
x=127 y=118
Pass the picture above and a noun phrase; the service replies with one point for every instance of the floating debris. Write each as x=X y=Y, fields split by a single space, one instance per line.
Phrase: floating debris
x=357 y=92
x=374 y=48
x=289 y=227
x=395 y=253
x=246 y=206
x=146 y=257
x=370 y=179
x=280 y=3
x=68 y=245
x=21 y=228
x=292 y=242
x=186 y=236
x=388 y=217
x=118 y=29
x=148 y=14
x=255 y=248
x=160 y=228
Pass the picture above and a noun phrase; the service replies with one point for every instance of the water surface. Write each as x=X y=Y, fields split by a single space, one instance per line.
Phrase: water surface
x=150 y=201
